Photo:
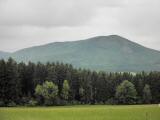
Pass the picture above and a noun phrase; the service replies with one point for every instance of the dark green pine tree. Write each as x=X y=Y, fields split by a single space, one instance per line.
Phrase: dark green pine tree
x=52 y=74
x=102 y=87
x=40 y=74
x=12 y=85
x=3 y=82
x=94 y=79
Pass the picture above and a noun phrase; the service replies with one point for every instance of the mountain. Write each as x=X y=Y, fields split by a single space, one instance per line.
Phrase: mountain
x=4 y=54
x=109 y=53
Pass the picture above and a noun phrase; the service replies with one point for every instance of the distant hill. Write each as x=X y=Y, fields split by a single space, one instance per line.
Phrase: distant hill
x=109 y=53
x=4 y=54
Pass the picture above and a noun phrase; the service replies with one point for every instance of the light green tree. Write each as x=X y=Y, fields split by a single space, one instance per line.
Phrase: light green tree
x=65 y=90
x=147 y=96
x=126 y=93
x=48 y=91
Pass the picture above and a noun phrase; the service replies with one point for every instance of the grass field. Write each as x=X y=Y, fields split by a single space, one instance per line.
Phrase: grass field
x=86 y=112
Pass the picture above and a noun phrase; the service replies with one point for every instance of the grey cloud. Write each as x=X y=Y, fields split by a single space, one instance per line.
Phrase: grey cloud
x=142 y=20
x=26 y=23
x=50 y=12
x=141 y=17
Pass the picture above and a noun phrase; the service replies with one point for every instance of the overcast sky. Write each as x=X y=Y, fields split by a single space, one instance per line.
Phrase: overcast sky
x=25 y=23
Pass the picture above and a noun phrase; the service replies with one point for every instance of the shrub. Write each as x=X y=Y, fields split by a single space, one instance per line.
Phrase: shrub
x=11 y=104
x=111 y=101
x=2 y=104
x=32 y=103
x=25 y=100
x=75 y=102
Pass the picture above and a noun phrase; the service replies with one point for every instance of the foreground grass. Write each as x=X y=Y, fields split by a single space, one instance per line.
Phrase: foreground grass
x=90 y=112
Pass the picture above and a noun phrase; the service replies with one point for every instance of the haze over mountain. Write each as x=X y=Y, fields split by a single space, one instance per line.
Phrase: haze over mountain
x=4 y=54
x=108 y=53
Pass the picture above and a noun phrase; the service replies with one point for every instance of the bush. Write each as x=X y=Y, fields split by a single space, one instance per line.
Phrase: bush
x=74 y=102
x=60 y=102
x=48 y=102
x=139 y=100
x=11 y=104
x=25 y=100
x=32 y=103
x=111 y=101
x=2 y=104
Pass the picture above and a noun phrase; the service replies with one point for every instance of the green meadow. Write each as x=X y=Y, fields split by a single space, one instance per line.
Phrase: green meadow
x=86 y=112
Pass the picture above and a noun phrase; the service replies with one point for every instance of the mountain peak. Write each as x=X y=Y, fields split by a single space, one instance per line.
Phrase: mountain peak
x=109 y=36
x=115 y=36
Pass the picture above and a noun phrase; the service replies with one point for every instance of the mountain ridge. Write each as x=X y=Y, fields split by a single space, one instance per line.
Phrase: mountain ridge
x=108 y=53
x=75 y=41
x=3 y=54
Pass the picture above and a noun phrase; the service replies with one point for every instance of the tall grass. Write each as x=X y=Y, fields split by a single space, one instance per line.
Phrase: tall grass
x=97 y=112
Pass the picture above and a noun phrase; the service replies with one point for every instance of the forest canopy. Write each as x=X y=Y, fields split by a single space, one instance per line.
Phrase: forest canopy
x=61 y=84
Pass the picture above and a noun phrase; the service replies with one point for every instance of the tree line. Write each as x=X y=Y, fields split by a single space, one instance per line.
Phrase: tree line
x=62 y=84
